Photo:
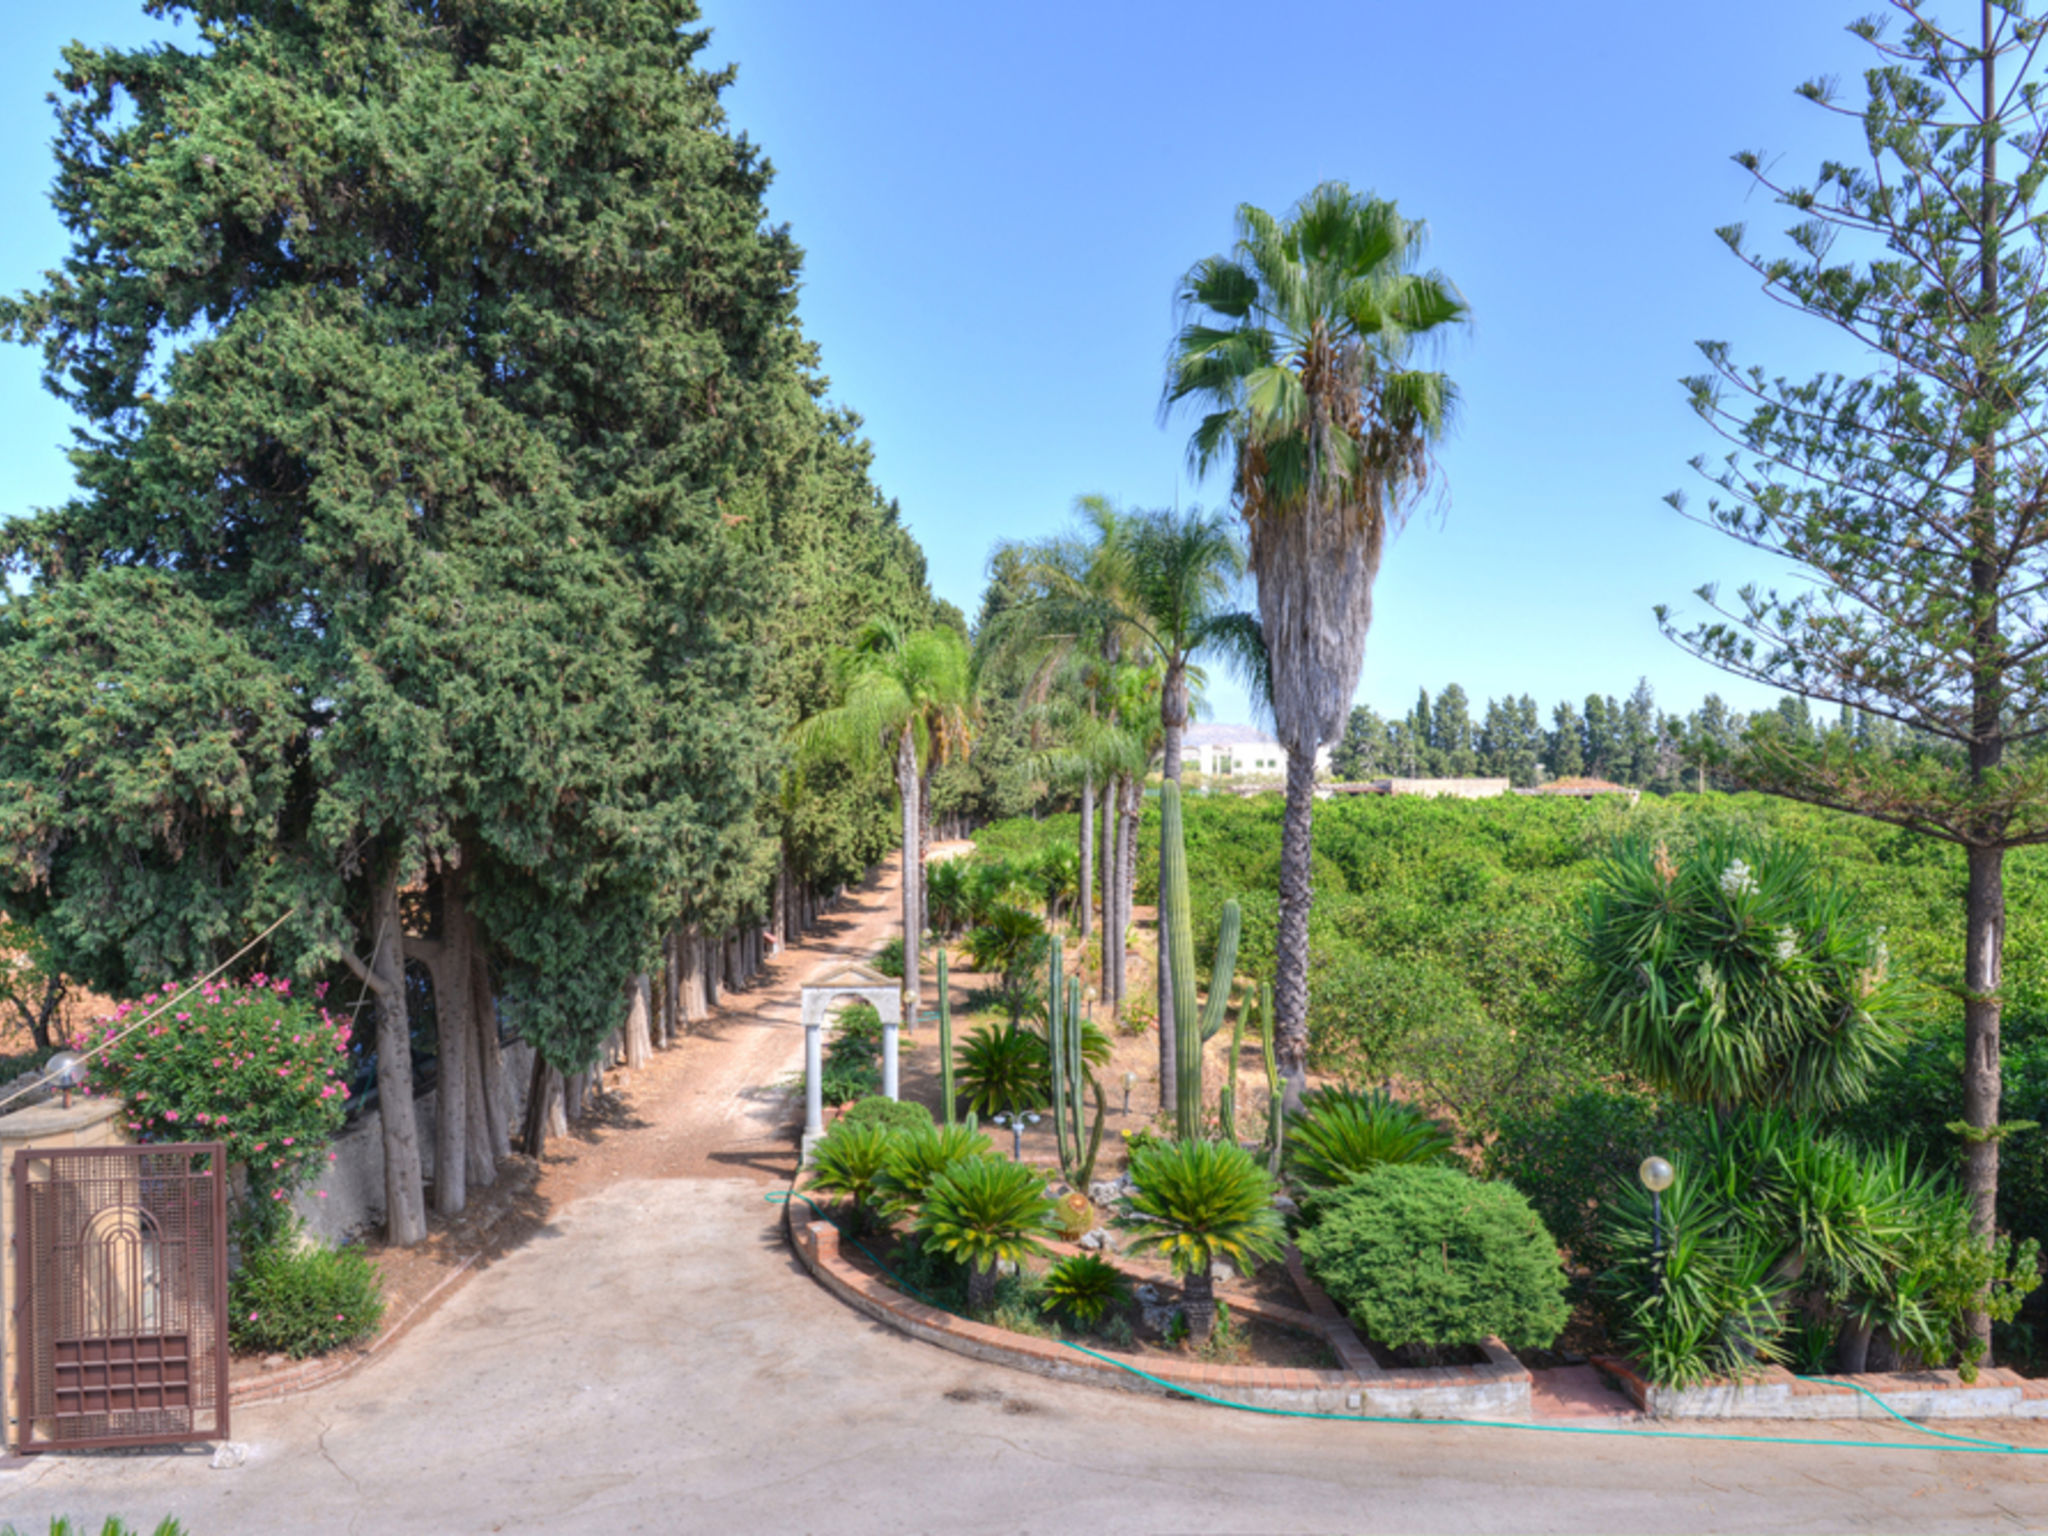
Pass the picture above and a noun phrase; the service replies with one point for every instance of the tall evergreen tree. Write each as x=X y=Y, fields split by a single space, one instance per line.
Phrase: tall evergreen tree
x=1362 y=753
x=1565 y=753
x=1910 y=497
x=1450 y=734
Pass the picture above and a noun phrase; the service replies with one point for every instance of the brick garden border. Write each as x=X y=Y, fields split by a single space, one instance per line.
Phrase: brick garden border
x=1499 y=1389
x=1775 y=1393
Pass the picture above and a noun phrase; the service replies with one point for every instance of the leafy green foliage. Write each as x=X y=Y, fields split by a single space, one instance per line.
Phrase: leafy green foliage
x=889 y=958
x=1338 y=1135
x=113 y=1525
x=303 y=1300
x=1086 y=1287
x=1431 y=1256
x=1200 y=1201
x=852 y=1066
x=242 y=1063
x=1003 y=1069
x=984 y=1211
x=919 y=1154
x=850 y=1162
x=1571 y=1155
x=1735 y=974
x=1008 y=942
x=894 y=1114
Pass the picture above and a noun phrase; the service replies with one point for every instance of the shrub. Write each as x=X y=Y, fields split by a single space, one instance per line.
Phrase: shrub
x=889 y=958
x=1003 y=1069
x=1432 y=1257
x=849 y=1162
x=1197 y=1202
x=1009 y=942
x=986 y=1211
x=852 y=1068
x=916 y=1157
x=893 y=1114
x=246 y=1064
x=1570 y=1155
x=1338 y=1135
x=1085 y=1287
x=301 y=1301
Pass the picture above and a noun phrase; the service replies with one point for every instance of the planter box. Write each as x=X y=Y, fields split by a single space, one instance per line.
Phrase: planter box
x=1775 y=1393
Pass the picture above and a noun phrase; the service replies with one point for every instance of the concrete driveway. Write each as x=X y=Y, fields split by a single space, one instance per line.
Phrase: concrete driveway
x=655 y=1361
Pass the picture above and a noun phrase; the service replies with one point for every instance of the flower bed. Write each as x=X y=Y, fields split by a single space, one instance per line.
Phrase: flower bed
x=1498 y=1389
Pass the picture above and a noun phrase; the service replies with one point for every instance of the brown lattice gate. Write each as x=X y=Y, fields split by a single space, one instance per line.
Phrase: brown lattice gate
x=121 y=1287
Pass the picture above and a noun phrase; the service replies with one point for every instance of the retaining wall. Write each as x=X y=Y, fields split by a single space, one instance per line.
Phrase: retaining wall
x=1775 y=1393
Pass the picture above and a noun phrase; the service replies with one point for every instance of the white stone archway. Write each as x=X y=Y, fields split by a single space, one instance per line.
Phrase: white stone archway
x=864 y=984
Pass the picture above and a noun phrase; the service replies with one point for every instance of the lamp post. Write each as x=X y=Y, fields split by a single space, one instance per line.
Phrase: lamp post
x=65 y=1070
x=1656 y=1175
x=1016 y=1120
x=1130 y=1082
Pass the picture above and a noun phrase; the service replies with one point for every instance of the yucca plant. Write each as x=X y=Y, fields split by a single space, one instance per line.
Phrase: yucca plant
x=1085 y=1287
x=849 y=1163
x=983 y=1212
x=1197 y=1202
x=917 y=1157
x=1002 y=1069
x=1338 y=1135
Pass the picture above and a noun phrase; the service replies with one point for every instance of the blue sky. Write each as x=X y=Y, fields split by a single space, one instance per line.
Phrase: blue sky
x=996 y=201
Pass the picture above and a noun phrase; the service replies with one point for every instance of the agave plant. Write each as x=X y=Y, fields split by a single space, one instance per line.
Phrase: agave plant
x=1338 y=1135
x=917 y=1157
x=986 y=1211
x=1002 y=1069
x=1085 y=1287
x=1197 y=1202
x=849 y=1163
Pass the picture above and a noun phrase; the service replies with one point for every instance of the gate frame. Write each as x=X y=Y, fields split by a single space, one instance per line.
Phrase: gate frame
x=25 y=1443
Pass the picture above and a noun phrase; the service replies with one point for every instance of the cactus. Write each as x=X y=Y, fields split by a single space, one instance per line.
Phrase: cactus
x=1226 y=1103
x=1276 y=1116
x=945 y=1040
x=1223 y=974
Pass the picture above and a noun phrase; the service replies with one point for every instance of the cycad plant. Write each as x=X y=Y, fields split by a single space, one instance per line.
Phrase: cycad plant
x=1197 y=1202
x=1002 y=1069
x=983 y=1212
x=915 y=1158
x=1338 y=1135
x=1085 y=1287
x=849 y=1163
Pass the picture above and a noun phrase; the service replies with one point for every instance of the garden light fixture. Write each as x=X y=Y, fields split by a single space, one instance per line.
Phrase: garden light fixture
x=65 y=1070
x=1656 y=1175
x=1130 y=1082
x=1016 y=1120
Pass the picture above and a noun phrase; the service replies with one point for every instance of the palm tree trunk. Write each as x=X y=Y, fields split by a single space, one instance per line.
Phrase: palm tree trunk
x=906 y=785
x=1087 y=848
x=1127 y=894
x=1290 y=979
x=981 y=1287
x=1112 y=882
x=1173 y=716
x=1198 y=1304
x=924 y=843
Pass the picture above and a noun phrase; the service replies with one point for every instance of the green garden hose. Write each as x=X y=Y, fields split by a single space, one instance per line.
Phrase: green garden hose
x=1964 y=1444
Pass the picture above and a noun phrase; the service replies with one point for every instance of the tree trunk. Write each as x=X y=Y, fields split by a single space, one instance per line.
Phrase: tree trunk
x=1087 y=850
x=1198 y=1304
x=690 y=976
x=1173 y=710
x=906 y=787
x=924 y=841
x=714 y=982
x=490 y=1057
x=1290 y=975
x=981 y=1288
x=1111 y=947
x=451 y=963
x=671 y=987
x=542 y=1090
x=480 y=1166
x=639 y=1014
x=1852 y=1347
x=1127 y=897
x=574 y=1085
x=1983 y=974
x=405 y=1208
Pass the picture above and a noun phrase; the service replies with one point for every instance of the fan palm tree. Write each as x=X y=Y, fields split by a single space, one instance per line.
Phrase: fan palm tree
x=1296 y=347
x=905 y=697
x=1156 y=584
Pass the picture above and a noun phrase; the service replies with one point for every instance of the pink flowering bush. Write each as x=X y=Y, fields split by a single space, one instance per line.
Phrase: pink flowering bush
x=243 y=1063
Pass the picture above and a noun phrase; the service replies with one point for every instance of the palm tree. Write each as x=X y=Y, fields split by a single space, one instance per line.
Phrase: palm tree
x=1197 y=1202
x=1155 y=584
x=1296 y=346
x=907 y=696
x=984 y=1211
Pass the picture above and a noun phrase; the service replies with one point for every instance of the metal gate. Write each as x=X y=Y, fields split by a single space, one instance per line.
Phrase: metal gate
x=121 y=1286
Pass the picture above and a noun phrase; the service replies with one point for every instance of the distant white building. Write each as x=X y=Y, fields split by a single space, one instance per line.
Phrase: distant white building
x=1239 y=754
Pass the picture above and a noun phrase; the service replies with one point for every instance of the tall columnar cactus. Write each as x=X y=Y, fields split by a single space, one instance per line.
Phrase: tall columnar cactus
x=945 y=1040
x=1224 y=971
x=1276 y=1115
x=1226 y=1105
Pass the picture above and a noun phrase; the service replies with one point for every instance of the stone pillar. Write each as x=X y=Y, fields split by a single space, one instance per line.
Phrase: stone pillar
x=814 y=1083
x=889 y=1058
